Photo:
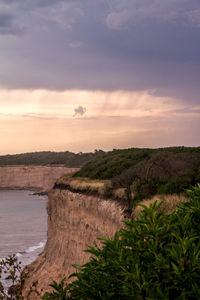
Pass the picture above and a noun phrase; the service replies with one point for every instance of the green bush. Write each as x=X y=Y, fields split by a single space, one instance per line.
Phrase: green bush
x=113 y=163
x=197 y=178
x=139 y=197
x=156 y=256
x=157 y=171
x=176 y=185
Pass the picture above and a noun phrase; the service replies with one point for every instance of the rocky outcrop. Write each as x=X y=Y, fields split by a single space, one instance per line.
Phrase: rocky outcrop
x=75 y=221
x=37 y=178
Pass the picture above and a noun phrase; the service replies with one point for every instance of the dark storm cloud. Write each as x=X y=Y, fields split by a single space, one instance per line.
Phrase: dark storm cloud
x=30 y=3
x=105 y=44
x=8 y=26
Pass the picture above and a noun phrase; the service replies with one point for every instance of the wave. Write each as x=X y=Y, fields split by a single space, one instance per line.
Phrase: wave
x=30 y=252
x=33 y=248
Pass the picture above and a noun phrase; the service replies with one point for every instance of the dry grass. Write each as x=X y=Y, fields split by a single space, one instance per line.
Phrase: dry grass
x=84 y=184
x=170 y=203
x=119 y=193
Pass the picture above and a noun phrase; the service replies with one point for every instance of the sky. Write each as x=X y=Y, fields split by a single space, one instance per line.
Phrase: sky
x=99 y=74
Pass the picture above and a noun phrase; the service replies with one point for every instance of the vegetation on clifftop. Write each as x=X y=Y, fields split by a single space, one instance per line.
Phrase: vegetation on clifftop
x=135 y=174
x=114 y=163
x=84 y=185
x=69 y=159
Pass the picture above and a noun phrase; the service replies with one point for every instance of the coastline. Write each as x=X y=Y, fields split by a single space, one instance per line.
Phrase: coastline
x=37 y=181
x=22 y=214
x=23 y=227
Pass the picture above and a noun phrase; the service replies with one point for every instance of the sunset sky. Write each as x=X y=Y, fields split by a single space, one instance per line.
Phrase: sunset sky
x=80 y=75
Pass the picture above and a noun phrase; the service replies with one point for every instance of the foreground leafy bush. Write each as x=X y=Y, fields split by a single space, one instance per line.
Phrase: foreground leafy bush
x=156 y=256
x=11 y=270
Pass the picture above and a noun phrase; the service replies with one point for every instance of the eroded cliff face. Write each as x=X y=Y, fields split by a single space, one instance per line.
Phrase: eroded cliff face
x=39 y=178
x=75 y=221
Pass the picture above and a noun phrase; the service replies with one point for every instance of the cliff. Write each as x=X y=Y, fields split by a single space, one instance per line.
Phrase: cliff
x=38 y=178
x=75 y=221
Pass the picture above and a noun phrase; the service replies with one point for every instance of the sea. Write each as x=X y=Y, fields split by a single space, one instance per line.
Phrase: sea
x=23 y=225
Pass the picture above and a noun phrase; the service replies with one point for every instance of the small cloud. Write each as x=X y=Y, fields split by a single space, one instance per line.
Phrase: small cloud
x=74 y=44
x=79 y=111
x=194 y=17
x=119 y=20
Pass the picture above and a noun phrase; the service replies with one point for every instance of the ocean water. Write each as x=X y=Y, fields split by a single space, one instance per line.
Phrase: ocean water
x=23 y=224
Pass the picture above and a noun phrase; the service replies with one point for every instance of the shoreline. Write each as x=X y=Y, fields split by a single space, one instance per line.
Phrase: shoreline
x=34 y=191
x=34 y=245
x=21 y=236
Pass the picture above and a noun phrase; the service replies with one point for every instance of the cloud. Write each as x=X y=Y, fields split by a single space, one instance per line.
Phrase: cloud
x=79 y=111
x=30 y=3
x=127 y=44
x=39 y=119
x=74 y=44
x=100 y=104
x=124 y=13
x=62 y=13
x=193 y=17
x=119 y=20
x=8 y=26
